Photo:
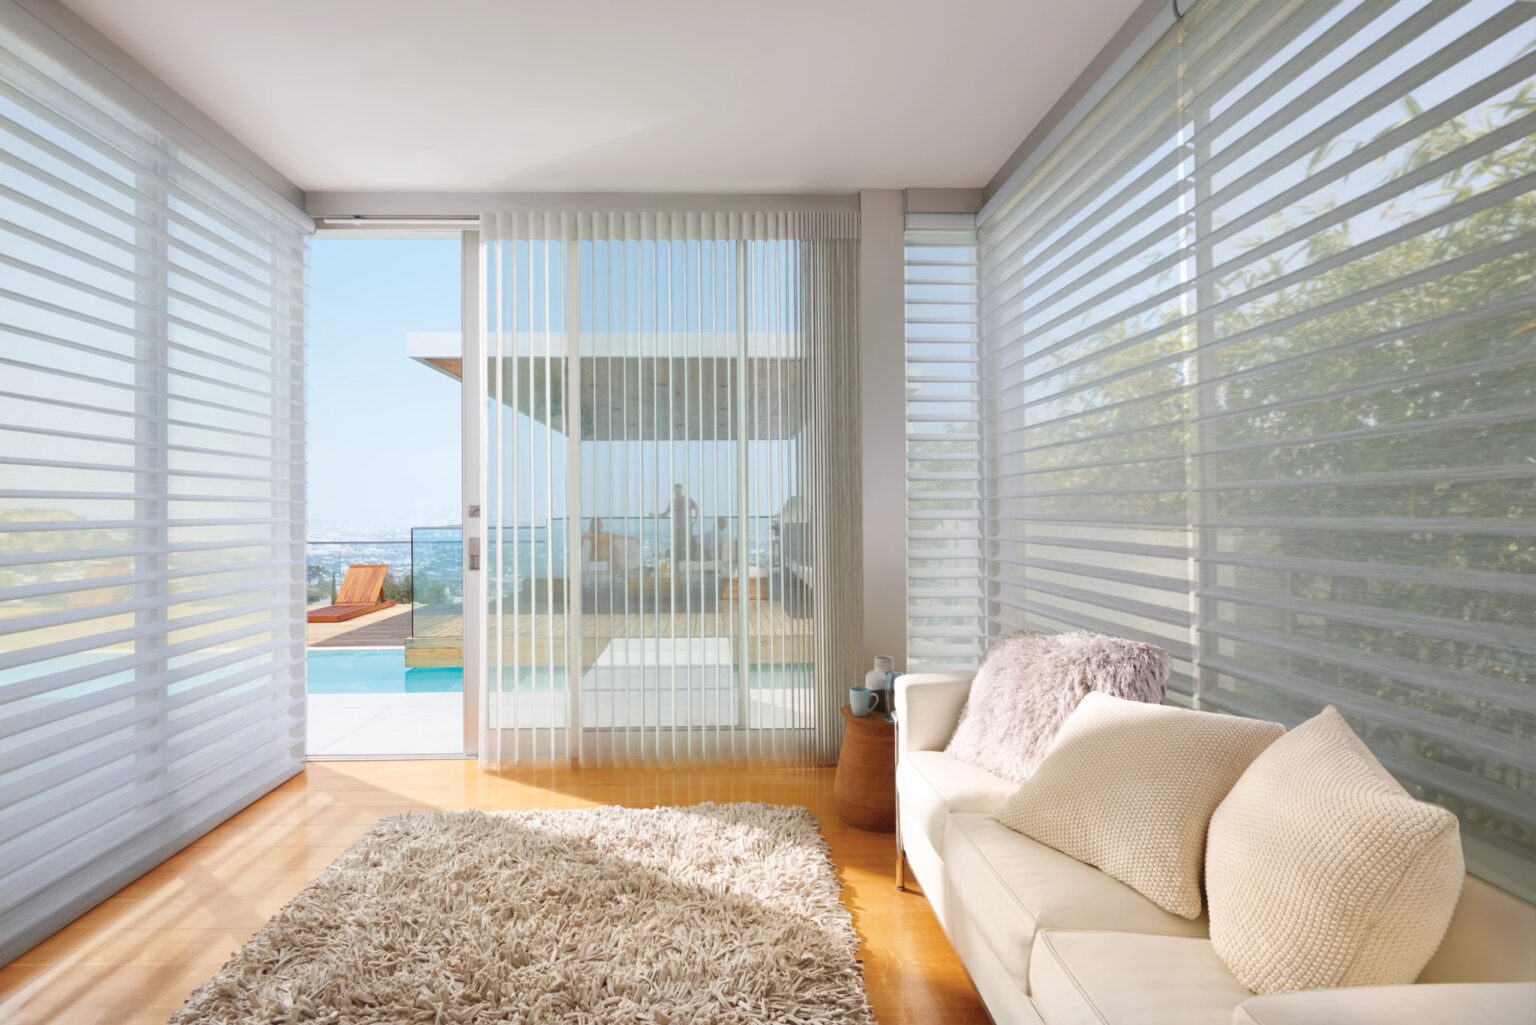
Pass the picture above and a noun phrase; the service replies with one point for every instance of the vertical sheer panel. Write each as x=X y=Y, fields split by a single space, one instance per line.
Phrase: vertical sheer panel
x=151 y=491
x=1260 y=383
x=671 y=397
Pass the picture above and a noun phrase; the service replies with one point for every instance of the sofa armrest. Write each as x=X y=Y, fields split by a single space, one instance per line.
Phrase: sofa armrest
x=928 y=708
x=1486 y=1003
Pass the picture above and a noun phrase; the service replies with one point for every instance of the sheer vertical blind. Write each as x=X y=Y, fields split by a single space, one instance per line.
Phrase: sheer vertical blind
x=673 y=458
x=151 y=491
x=945 y=615
x=1259 y=383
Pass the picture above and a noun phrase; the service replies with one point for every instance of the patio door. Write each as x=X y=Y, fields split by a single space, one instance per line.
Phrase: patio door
x=384 y=396
x=650 y=457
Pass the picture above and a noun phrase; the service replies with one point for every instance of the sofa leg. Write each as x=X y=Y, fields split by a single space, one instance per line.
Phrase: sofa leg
x=901 y=868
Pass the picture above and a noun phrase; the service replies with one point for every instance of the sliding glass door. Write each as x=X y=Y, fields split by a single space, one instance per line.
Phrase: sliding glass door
x=652 y=485
x=690 y=424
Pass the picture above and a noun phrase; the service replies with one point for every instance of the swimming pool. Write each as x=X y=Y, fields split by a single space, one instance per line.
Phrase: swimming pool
x=377 y=671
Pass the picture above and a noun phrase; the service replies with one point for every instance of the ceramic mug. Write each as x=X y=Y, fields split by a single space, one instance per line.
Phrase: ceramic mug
x=862 y=700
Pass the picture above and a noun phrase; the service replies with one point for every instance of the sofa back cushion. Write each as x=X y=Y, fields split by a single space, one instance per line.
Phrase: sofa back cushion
x=1130 y=788
x=1029 y=684
x=1491 y=938
x=1323 y=871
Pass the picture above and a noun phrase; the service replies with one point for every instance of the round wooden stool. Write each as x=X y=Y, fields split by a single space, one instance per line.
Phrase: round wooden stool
x=865 y=785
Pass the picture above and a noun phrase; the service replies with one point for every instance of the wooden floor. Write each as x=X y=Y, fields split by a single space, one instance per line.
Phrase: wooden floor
x=135 y=958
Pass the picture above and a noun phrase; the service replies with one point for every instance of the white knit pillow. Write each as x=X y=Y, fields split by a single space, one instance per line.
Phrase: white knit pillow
x=1029 y=684
x=1321 y=870
x=1130 y=788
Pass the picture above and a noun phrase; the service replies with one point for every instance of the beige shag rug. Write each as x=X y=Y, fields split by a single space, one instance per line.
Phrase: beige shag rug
x=718 y=913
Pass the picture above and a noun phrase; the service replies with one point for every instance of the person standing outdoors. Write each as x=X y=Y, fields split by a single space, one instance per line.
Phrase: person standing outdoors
x=683 y=511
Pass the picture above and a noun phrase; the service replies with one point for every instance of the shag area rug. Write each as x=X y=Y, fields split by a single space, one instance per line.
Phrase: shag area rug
x=718 y=913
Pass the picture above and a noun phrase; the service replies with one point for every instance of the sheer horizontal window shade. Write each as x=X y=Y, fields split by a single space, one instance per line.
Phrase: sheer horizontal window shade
x=945 y=623
x=1084 y=380
x=151 y=491
x=1260 y=383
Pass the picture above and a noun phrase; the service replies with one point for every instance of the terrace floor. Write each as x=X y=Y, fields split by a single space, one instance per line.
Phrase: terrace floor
x=387 y=628
x=381 y=715
x=773 y=634
x=392 y=723
x=396 y=725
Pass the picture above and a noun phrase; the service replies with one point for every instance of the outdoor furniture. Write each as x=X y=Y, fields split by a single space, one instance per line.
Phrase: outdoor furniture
x=361 y=592
x=758 y=587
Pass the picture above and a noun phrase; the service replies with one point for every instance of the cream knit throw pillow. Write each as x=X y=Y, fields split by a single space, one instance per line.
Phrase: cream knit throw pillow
x=1029 y=684
x=1130 y=788
x=1322 y=870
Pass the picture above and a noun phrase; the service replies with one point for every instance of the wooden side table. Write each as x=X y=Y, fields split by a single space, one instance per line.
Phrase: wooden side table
x=865 y=785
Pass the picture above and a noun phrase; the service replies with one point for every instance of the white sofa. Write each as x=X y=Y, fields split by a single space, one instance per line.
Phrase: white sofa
x=1052 y=941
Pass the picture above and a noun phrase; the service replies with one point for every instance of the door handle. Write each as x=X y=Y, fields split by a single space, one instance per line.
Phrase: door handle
x=474 y=553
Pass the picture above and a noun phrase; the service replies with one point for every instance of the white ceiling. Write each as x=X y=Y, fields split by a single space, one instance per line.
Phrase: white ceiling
x=619 y=95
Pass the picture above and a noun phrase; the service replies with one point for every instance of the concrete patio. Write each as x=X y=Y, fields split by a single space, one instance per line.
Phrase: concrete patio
x=394 y=725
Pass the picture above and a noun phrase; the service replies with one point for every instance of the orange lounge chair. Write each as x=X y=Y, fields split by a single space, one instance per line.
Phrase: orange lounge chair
x=361 y=592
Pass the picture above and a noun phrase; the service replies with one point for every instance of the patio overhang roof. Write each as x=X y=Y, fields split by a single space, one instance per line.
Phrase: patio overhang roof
x=689 y=396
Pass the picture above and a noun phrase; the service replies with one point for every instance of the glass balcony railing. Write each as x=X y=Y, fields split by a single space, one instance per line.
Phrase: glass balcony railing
x=438 y=583
x=425 y=571
x=328 y=562
x=424 y=575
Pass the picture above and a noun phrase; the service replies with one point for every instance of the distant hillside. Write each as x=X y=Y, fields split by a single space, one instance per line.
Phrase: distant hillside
x=35 y=515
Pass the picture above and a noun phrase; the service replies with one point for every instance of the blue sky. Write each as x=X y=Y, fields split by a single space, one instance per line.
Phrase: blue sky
x=384 y=442
x=384 y=449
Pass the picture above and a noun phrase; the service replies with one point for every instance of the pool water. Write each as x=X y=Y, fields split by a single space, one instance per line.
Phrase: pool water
x=378 y=671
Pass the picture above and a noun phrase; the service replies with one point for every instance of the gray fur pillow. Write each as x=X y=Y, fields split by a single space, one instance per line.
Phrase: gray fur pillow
x=1028 y=685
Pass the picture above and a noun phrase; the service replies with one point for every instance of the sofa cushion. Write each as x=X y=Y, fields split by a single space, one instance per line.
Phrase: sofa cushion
x=1321 y=870
x=1029 y=684
x=1007 y=887
x=1492 y=938
x=1006 y=998
x=1130 y=787
x=933 y=784
x=1114 y=978
x=1495 y=1003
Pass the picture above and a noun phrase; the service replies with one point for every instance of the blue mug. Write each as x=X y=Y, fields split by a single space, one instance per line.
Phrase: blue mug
x=862 y=700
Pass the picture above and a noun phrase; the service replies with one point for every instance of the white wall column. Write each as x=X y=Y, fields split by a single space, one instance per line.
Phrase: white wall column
x=882 y=398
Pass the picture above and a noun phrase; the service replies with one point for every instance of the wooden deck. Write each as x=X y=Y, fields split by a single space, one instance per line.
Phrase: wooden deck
x=387 y=628
x=775 y=636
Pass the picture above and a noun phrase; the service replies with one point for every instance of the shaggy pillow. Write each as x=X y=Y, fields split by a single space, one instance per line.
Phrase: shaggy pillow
x=1029 y=684
x=1321 y=870
x=1130 y=788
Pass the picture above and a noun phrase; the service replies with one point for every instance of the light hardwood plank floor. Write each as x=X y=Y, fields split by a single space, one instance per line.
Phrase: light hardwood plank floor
x=135 y=958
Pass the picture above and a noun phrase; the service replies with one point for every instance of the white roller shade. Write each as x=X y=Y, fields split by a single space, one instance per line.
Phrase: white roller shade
x=151 y=491
x=1259 y=382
